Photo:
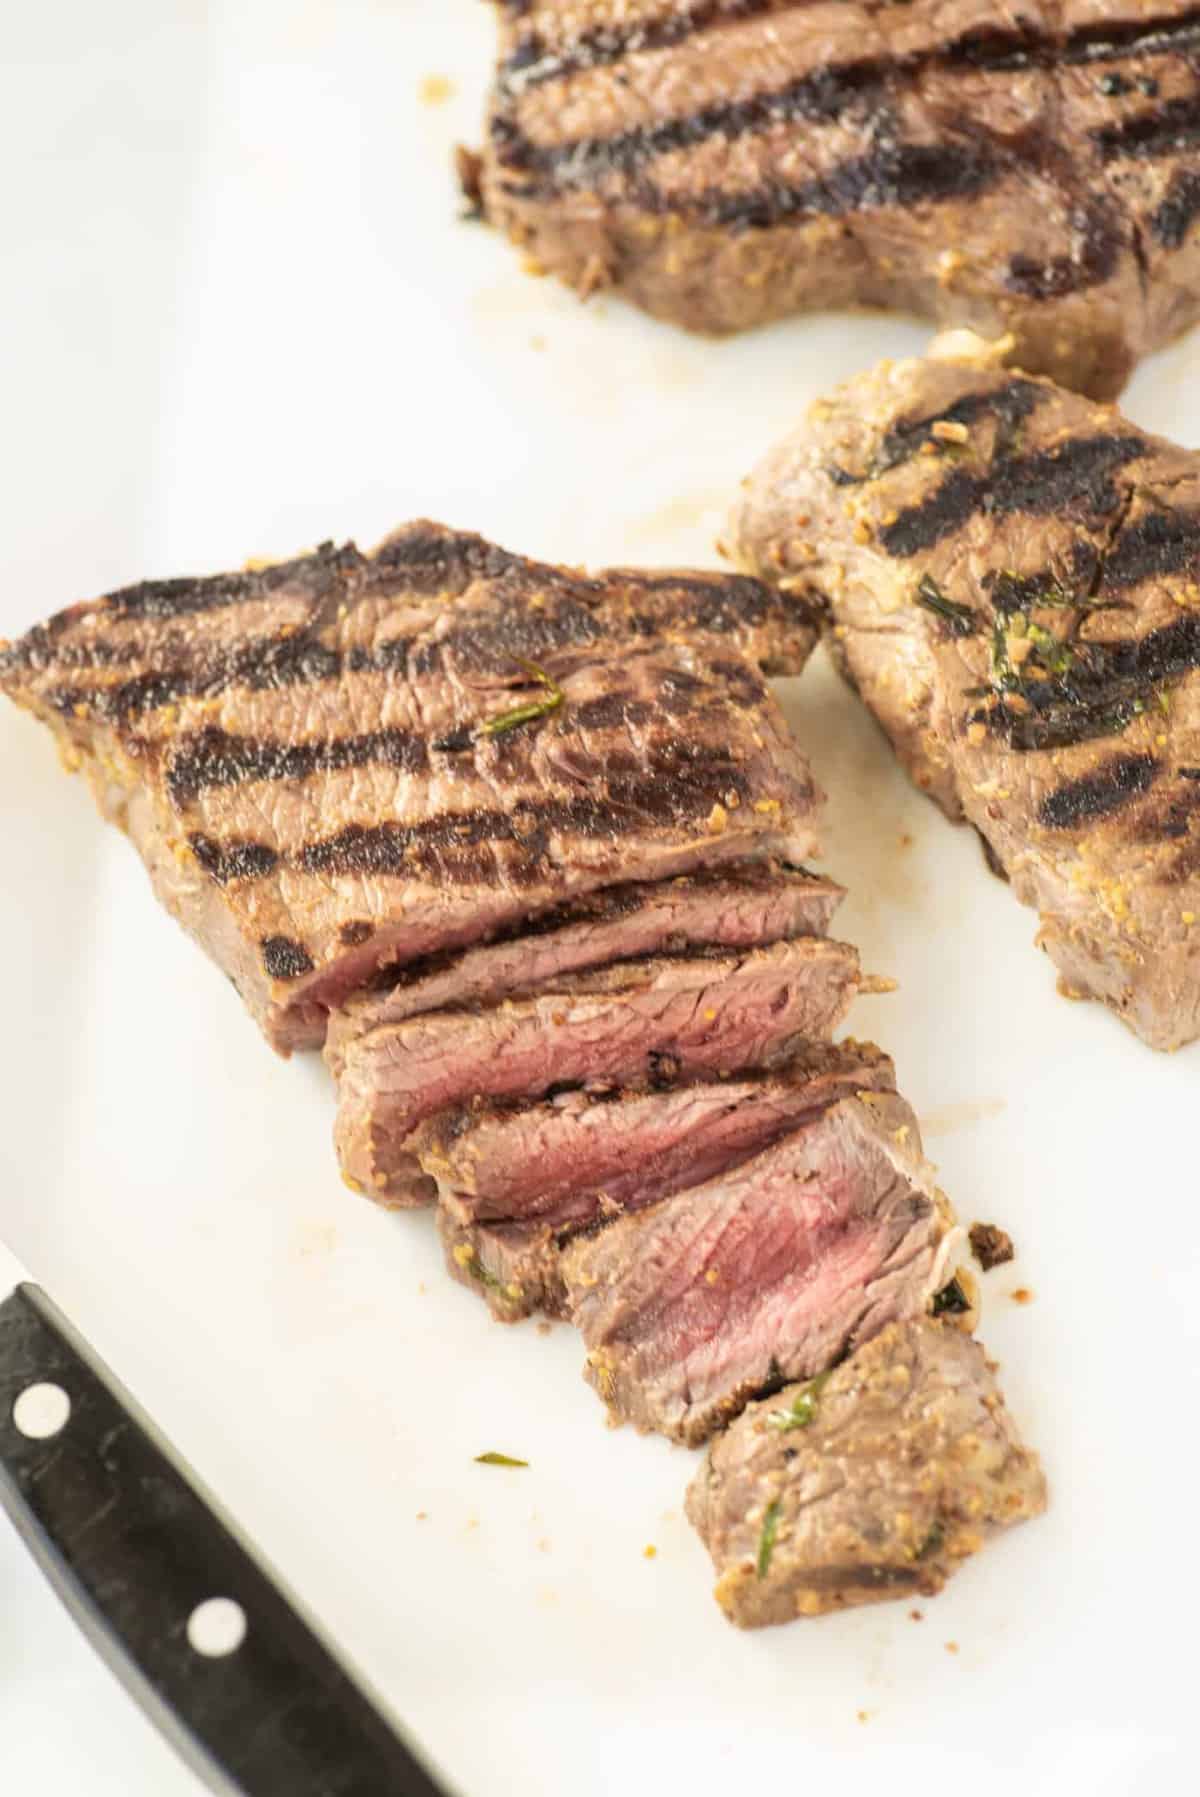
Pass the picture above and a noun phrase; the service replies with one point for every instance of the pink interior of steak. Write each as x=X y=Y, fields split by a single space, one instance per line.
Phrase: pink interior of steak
x=583 y=1156
x=618 y=1024
x=774 y=1271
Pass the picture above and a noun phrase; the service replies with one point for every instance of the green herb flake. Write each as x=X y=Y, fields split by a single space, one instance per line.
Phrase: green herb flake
x=803 y=1409
x=951 y=1301
x=533 y=709
x=494 y=1459
x=766 y=1541
x=933 y=1541
x=961 y=619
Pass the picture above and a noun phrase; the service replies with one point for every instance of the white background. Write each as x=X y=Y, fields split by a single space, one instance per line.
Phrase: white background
x=239 y=315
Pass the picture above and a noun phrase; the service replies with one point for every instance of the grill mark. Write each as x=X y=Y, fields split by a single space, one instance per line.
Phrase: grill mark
x=215 y=758
x=1010 y=404
x=723 y=606
x=1109 y=686
x=888 y=174
x=674 y=789
x=1174 y=217
x=1159 y=544
x=822 y=94
x=1097 y=253
x=1189 y=773
x=179 y=598
x=1077 y=473
x=1108 y=790
x=532 y=62
x=226 y=862
x=1157 y=132
x=284 y=958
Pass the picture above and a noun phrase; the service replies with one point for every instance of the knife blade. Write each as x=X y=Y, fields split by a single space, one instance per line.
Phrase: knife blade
x=197 y=1627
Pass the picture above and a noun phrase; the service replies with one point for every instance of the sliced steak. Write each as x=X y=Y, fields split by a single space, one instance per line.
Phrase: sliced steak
x=704 y=1012
x=1012 y=578
x=348 y=760
x=516 y=1182
x=876 y=1482
x=741 y=906
x=775 y=1271
x=1028 y=170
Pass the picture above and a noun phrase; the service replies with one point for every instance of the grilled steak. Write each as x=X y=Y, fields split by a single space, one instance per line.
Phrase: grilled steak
x=316 y=763
x=516 y=1182
x=1012 y=574
x=723 y=162
x=774 y=1271
x=686 y=1014
x=874 y=1483
x=741 y=906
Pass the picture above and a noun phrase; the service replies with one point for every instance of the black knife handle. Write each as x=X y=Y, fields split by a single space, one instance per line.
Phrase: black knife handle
x=133 y=1549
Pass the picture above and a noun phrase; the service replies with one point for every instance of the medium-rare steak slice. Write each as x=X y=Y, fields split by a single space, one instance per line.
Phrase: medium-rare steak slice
x=742 y=906
x=875 y=1482
x=350 y=760
x=723 y=162
x=775 y=1271
x=518 y=1181
x=1012 y=576
x=687 y=1014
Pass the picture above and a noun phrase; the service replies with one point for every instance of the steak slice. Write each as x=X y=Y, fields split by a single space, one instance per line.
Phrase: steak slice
x=1012 y=577
x=876 y=1482
x=1022 y=170
x=623 y=1023
x=741 y=906
x=347 y=760
x=517 y=1182
x=775 y=1271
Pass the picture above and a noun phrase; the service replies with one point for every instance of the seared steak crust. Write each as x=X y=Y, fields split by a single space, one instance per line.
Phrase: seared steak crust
x=724 y=162
x=877 y=1483
x=1012 y=577
x=304 y=755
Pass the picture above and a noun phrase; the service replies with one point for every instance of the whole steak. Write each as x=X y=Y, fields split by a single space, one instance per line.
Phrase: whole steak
x=1028 y=169
x=1012 y=578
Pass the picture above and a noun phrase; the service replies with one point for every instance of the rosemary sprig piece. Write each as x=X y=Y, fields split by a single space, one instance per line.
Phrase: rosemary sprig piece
x=961 y=619
x=533 y=709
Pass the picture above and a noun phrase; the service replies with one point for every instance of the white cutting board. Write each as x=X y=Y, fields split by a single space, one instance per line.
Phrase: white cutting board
x=239 y=315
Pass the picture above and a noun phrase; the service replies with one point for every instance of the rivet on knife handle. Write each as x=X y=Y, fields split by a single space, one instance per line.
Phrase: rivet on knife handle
x=197 y=1630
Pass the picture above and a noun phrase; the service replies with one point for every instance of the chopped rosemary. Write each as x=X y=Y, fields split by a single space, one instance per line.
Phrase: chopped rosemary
x=951 y=1301
x=494 y=1459
x=766 y=1541
x=932 y=1542
x=533 y=709
x=803 y=1409
x=961 y=619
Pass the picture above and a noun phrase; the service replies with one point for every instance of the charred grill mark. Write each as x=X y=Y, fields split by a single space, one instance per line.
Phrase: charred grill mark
x=889 y=174
x=284 y=958
x=1107 y=687
x=160 y=599
x=1161 y=131
x=1108 y=790
x=611 y=710
x=824 y=94
x=215 y=758
x=1011 y=405
x=1075 y=477
x=673 y=789
x=264 y=664
x=532 y=62
x=434 y=560
x=1158 y=544
x=226 y=862
x=1174 y=217
x=1096 y=253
